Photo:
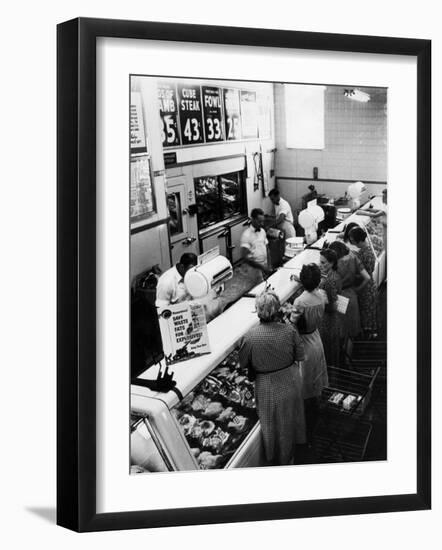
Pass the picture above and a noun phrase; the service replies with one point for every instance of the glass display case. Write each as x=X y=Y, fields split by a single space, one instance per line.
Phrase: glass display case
x=217 y=415
x=215 y=426
x=219 y=198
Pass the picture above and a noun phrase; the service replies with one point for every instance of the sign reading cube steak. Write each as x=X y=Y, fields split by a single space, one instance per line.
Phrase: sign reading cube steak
x=212 y=114
x=191 y=116
x=167 y=100
x=232 y=114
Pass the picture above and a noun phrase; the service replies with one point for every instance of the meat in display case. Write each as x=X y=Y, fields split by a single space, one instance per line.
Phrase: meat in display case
x=215 y=426
x=217 y=416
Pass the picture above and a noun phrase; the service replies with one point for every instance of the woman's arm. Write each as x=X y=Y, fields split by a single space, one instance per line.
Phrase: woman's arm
x=331 y=290
x=365 y=279
x=298 y=344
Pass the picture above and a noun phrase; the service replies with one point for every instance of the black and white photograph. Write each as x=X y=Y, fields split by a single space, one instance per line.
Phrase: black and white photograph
x=258 y=273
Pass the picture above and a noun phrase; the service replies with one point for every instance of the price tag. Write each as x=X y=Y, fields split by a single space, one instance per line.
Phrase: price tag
x=167 y=99
x=213 y=123
x=232 y=114
x=191 y=116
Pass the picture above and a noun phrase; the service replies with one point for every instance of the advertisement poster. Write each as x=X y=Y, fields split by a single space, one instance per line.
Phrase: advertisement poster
x=232 y=114
x=213 y=122
x=191 y=115
x=137 y=135
x=264 y=118
x=167 y=100
x=249 y=115
x=141 y=199
x=183 y=331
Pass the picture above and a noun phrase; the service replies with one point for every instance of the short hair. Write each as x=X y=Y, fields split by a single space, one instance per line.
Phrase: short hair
x=340 y=248
x=310 y=276
x=357 y=234
x=256 y=212
x=267 y=306
x=274 y=193
x=331 y=257
x=348 y=228
x=188 y=259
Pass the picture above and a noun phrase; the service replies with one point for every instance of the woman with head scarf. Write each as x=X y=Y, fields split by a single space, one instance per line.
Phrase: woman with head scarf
x=308 y=312
x=272 y=352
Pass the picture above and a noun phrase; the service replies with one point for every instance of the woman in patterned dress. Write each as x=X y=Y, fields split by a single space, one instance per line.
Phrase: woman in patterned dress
x=351 y=272
x=271 y=352
x=308 y=311
x=330 y=329
x=367 y=292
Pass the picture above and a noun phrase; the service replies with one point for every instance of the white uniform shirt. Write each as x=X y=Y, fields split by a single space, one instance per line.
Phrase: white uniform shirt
x=284 y=208
x=171 y=289
x=256 y=242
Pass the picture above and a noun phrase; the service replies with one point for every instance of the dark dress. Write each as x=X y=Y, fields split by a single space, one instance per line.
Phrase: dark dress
x=349 y=270
x=309 y=311
x=367 y=296
x=330 y=329
x=267 y=348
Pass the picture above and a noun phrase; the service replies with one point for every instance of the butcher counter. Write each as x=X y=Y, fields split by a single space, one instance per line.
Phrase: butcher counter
x=163 y=435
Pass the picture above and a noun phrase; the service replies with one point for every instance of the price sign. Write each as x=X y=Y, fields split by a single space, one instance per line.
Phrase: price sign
x=212 y=114
x=169 y=114
x=137 y=135
x=232 y=114
x=191 y=116
x=249 y=115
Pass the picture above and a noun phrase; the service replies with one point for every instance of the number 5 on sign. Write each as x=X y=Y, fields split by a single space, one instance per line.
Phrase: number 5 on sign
x=169 y=132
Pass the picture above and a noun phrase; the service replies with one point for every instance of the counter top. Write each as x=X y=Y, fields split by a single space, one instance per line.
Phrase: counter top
x=224 y=332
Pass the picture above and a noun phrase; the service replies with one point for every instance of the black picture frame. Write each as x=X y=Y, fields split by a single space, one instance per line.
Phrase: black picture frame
x=76 y=273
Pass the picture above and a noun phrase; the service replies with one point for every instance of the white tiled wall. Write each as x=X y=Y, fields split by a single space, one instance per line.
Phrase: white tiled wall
x=355 y=139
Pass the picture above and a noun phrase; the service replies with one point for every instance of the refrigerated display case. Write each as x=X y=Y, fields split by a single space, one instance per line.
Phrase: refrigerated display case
x=215 y=426
x=210 y=420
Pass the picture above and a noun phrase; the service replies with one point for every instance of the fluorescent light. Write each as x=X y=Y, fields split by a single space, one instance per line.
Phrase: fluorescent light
x=357 y=95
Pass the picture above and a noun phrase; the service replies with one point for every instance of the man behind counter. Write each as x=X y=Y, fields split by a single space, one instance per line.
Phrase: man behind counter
x=170 y=288
x=254 y=248
x=284 y=215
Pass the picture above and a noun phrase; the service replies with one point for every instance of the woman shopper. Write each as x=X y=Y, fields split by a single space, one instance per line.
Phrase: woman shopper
x=353 y=277
x=330 y=329
x=366 y=293
x=271 y=352
x=307 y=314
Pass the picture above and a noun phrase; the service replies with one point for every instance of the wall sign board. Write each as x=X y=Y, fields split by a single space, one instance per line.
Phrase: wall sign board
x=167 y=100
x=137 y=134
x=191 y=116
x=249 y=114
x=213 y=120
x=232 y=114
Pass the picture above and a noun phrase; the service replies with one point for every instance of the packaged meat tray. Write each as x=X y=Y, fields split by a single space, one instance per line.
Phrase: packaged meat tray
x=218 y=414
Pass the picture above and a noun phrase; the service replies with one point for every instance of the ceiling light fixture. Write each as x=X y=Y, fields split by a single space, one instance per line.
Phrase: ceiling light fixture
x=357 y=95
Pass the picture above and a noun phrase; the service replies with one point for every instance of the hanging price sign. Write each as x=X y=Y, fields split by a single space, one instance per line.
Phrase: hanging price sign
x=191 y=115
x=212 y=114
x=232 y=114
x=167 y=99
x=249 y=115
